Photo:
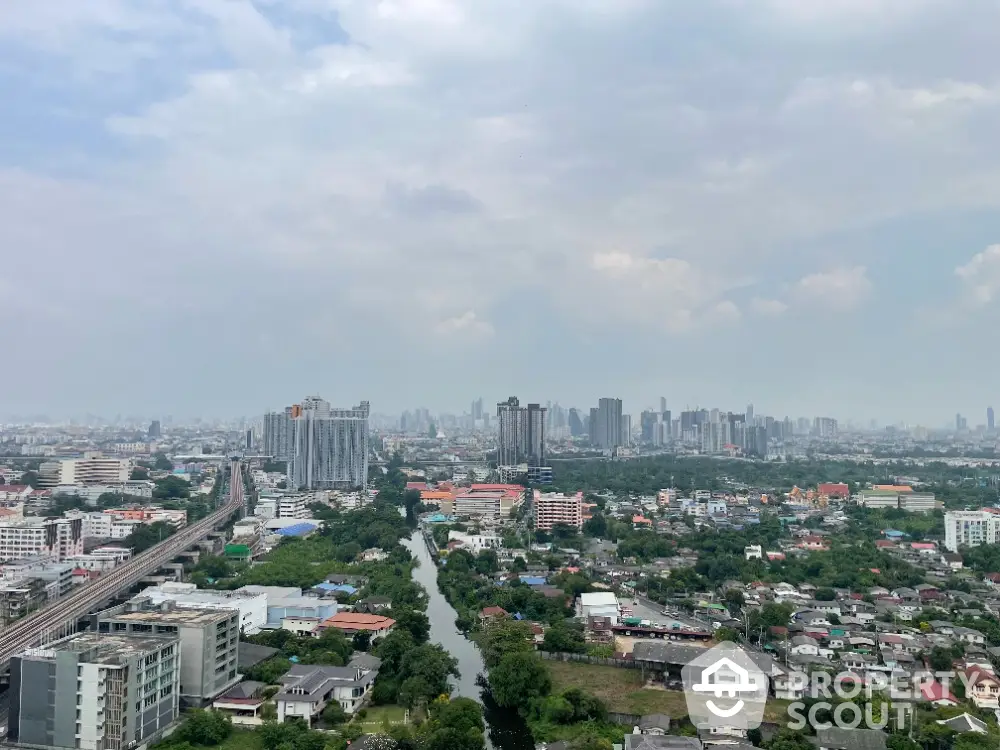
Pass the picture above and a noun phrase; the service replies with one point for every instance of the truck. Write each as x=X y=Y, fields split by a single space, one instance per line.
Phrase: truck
x=632 y=621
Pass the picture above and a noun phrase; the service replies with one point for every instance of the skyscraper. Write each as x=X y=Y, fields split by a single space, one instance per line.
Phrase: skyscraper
x=328 y=447
x=576 y=426
x=961 y=422
x=606 y=424
x=663 y=404
x=990 y=419
x=477 y=409
x=750 y=414
x=521 y=437
x=154 y=428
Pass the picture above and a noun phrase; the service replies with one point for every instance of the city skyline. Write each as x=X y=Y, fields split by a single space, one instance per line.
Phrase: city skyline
x=715 y=200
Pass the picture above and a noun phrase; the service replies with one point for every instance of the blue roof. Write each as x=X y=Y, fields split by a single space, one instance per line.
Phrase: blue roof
x=298 y=529
x=893 y=532
x=533 y=580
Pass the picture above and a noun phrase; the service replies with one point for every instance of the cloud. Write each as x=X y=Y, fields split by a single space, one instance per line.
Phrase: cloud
x=768 y=307
x=981 y=276
x=405 y=166
x=839 y=289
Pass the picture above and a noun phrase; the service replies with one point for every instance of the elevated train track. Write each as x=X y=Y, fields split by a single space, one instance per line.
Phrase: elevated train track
x=28 y=632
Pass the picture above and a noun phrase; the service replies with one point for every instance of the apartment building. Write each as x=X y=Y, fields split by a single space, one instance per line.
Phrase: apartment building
x=555 y=508
x=20 y=597
x=92 y=468
x=478 y=503
x=293 y=506
x=208 y=640
x=94 y=691
x=55 y=538
x=970 y=528
x=101 y=559
x=56 y=577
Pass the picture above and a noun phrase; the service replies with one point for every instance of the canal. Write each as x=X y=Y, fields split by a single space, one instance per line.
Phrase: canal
x=506 y=730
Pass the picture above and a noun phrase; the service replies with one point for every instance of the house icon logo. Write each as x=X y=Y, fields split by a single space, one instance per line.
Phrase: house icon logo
x=725 y=687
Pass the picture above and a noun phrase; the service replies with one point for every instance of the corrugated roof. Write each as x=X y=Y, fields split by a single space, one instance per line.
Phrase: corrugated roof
x=298 y=529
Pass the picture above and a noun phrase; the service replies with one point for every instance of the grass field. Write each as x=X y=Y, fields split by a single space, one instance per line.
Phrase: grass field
x=623 y=692
x=377 y=715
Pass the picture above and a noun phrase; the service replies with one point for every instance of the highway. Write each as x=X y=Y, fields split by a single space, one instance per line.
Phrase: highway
x=27 y=632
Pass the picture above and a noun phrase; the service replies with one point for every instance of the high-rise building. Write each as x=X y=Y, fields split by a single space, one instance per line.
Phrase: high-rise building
x=521 y=437
x=990 y=419
x=750 y=414
x=824 y=427
x=154 y=429
x=329 y=447
x=663 y=404
x=477 y=409
x=576 y=426
x=278 y=432
x=556 y=509
x=606 y=429
x=961 y=423
x=96 y=691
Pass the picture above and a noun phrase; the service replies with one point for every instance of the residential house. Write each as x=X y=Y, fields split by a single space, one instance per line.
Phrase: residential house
x=969 y=635
x=243 y=703
x=355 y=622
x=965 y=723
x=490 y=615
x=307 y=689
x=836 y=738
x=803 y=645
x=982 y=688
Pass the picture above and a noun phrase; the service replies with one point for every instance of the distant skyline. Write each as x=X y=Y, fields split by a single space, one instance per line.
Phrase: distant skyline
x=215 y=208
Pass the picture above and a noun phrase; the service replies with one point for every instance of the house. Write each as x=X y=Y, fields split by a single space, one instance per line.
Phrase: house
x=836 y=738
x=356 y=622
x=374 y=604
x=952 y=559
x=654 y=724
x=982 y=688
x=965 y=723
x=969 y=635
x=753 y=552
x=307 y=689
x=653 y=742
x=374 y=554
x=242 y=703
x=489 y=615
x=934 y=692
x=803 y=645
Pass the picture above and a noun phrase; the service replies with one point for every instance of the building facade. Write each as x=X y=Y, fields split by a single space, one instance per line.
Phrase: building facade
x=94 y=691
x=54 y=538
x=555 y=508
x=329 y=448
x=92 y=468
x=970 y=528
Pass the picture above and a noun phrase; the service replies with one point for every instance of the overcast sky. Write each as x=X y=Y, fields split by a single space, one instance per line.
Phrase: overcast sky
x=220 y=206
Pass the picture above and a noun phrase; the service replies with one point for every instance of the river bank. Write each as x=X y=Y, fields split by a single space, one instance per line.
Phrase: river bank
x=505 y=729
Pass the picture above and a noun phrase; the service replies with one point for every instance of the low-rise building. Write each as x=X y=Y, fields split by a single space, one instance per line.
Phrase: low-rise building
x=557 y=509
x=252 y=605
x=94 y=691
x=20 y=597
x=289 y=601
x=208 y=638
x=350 y=623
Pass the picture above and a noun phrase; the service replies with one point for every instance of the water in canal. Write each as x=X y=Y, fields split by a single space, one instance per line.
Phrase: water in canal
x=505 y=729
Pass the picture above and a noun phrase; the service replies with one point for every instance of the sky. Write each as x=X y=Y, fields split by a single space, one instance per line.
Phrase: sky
x=218 y=207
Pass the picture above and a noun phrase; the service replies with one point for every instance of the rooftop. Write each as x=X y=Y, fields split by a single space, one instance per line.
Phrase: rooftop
x=176 y=615
x=100 y=648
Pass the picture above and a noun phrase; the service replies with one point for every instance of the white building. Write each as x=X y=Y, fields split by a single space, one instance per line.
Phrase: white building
x=92 y=468
x=101 y=559
x=970 y=528
x=475 y=543
x=251 y=605
x=753 y=552
x=292 y=506
x=91 y=492
x=54 y=538
x=308 y=689
x=599 y=604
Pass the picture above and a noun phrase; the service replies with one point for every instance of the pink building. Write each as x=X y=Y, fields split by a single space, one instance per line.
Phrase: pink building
x=553 y=508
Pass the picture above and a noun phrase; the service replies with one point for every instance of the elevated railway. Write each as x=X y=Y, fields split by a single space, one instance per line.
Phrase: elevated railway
x=64 y=613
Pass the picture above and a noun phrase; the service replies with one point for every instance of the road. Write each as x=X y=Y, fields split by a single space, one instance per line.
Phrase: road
x=28 y=632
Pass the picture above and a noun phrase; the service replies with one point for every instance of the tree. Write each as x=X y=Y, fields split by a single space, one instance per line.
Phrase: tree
x=362 y=640
x=788 y=739
x=487 y=562
x=334 y=714
x=825 y=595
x=564 y=638
x=727 y=634
x=171 y=488
x=139 y=473
x=30 y=478
x=161 y=462
x=461 y=714
x=941 y=659
x=518 y=679
x=505 y=637
x=898 y=741
x=205 y=727
x=590 y=741
x=424 y=672
x=432 y=431
x=414 y=622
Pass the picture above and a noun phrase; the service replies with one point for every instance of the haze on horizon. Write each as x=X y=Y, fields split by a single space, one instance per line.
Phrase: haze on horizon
x=219 y=207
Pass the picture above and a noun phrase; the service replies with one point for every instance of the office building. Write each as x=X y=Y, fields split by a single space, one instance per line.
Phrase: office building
x=95 y=691
x=990 y=419
x=478 y=503
x=556 y=509
x=663 y=404
x=961 y=423
x=53 y=538
x=208 y=639
x=606 y=424
x=535 y=435
x=154 y=431
x=971 y=528
x=576 y=426
x=329 y=447
x=92 y=468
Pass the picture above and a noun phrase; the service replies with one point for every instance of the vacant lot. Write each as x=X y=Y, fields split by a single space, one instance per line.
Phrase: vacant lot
x=377 y=716
x=623 y=692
